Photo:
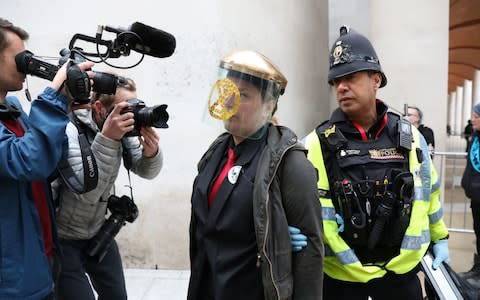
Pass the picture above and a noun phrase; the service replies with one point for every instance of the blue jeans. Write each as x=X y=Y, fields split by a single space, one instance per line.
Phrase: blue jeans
x=106 y=276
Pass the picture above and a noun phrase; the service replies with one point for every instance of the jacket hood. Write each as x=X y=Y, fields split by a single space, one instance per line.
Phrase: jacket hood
x=86 y=117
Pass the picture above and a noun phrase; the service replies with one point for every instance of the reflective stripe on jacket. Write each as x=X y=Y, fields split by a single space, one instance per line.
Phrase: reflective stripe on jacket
x=426 y=222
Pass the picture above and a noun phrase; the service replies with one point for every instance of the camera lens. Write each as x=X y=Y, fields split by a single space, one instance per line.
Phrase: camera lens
x=156 y=116
x=100 y=243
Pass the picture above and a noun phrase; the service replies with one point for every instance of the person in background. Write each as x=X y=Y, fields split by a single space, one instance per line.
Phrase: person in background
x=378 y=187
x=252 y=183
x=415 y=116
x=471 y=186
x=80 y=216
x=30 y=147
x=467 y=133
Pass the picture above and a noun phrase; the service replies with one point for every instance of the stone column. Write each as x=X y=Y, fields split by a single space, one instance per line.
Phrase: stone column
x=458 y=110
x=451 y=110
x=467 y=102
x=476 y=87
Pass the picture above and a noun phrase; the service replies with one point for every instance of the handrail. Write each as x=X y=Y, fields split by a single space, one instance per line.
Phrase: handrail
x=451 y=188
x=450 y=153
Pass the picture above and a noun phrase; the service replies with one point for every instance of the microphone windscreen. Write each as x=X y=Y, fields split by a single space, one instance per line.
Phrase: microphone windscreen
x=155 y=42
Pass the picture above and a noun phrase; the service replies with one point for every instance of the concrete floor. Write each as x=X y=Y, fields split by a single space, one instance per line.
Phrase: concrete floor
x=462 y=247
x=172 y=284
x=157 y=284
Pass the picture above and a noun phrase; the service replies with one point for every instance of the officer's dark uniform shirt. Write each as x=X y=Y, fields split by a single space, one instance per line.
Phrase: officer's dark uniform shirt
x=370 y=161
x=225 y=233
x=356 y=131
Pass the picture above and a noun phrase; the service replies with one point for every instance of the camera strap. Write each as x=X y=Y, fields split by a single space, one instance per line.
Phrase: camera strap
x=127 y=163
x=126 y=155
x=90 y=170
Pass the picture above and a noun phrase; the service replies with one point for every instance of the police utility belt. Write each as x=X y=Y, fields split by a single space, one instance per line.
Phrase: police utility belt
x=371 y=188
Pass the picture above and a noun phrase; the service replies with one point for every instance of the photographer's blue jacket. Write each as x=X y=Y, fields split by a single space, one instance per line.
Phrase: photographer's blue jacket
x=24 y=268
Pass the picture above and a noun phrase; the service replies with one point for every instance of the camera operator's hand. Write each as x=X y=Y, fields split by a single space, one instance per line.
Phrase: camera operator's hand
x=149 y=140
x=61 y=76
x=117 y=124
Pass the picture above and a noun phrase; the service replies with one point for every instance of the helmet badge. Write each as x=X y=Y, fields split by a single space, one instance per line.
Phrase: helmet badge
x=340 y=54
x=337 y=52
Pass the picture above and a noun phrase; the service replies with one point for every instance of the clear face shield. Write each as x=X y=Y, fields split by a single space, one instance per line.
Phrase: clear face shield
x=243 y=102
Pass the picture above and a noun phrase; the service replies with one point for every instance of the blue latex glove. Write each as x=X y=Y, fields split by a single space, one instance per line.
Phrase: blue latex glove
x=298 y=240
x=440 y=251
x=341 y=224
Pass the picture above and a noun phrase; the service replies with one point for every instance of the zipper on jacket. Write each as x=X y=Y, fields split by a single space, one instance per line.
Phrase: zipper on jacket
x=259 y=260
x=268 y=221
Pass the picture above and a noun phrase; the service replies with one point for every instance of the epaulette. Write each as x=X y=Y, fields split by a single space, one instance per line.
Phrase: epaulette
x=331 y=136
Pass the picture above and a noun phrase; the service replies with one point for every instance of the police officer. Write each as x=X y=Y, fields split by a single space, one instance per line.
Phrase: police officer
x=379 y=188
x=253 y=181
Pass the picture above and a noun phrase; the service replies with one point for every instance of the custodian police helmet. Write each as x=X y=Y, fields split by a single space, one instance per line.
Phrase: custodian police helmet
x=352 y=52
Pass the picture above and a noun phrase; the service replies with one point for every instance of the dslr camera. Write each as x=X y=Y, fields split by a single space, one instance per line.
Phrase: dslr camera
x=123 y=209
x=144 y=116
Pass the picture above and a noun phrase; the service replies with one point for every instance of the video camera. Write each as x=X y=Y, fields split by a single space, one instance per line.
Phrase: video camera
x=103 y=83
x=138 y=37
x=123 y=210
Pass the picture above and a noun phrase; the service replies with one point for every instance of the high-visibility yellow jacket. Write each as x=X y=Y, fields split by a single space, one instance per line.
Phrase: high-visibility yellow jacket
x=426 y=222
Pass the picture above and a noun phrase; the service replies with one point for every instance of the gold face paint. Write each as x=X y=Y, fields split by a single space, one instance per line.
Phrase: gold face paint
x=224 y=99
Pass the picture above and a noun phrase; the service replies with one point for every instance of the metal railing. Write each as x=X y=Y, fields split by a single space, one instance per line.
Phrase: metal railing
x=456 y=205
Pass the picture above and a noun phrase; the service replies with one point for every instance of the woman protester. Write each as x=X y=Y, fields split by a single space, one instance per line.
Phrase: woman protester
x=253 y=182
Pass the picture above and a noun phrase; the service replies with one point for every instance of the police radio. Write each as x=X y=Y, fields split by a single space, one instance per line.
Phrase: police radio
x=404 y=128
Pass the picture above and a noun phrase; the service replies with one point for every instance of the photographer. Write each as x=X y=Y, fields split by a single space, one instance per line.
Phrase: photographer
x=31 y=146
x=80 y=216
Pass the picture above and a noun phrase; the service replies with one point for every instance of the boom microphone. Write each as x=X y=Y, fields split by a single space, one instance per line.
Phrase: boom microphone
x=154 y=42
